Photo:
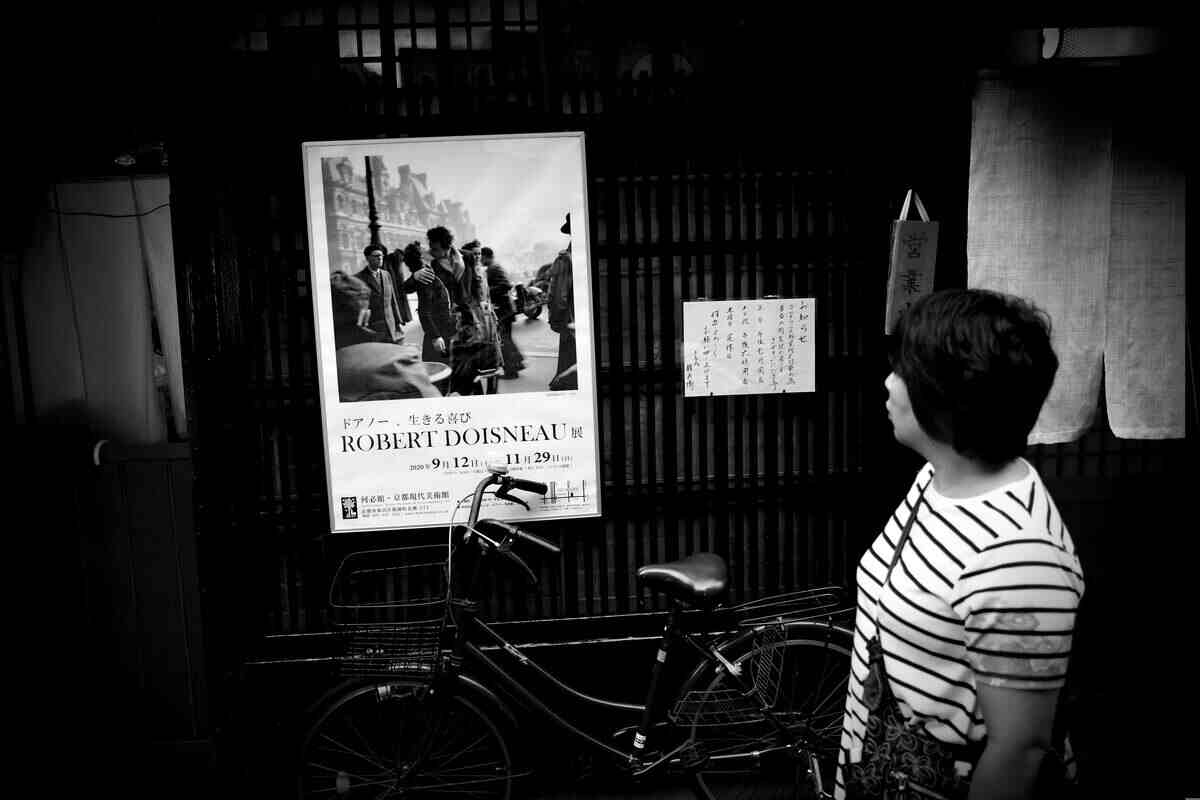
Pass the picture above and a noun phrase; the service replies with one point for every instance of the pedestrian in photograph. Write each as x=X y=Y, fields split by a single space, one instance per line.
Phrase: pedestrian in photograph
x=351 y=299
x=389 y=308
x=500 y=290
x=562 y=315
x=434 y=310
x=475 y=345
x=967 y=599
x=368 y=366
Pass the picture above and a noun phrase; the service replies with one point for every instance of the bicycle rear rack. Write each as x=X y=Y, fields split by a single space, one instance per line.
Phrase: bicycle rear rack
x=807 y=604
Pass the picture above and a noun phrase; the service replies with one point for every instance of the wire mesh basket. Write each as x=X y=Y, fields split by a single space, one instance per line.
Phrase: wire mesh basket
x=764 y=668
x=390 y=606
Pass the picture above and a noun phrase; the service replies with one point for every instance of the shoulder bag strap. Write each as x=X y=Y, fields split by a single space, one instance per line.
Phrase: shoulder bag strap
x=912 y=517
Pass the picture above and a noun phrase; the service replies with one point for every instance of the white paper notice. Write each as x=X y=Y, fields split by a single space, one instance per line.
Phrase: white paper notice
x=748 y=347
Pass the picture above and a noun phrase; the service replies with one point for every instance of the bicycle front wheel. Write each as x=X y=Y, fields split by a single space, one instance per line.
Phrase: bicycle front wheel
x=801 y=673
x=399 y=739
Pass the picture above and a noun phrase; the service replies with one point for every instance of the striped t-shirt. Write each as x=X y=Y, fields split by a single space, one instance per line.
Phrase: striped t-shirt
x=986 y=590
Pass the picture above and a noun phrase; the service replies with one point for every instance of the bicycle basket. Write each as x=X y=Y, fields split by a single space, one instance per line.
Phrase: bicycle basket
x=390 y=606
x=732 y=706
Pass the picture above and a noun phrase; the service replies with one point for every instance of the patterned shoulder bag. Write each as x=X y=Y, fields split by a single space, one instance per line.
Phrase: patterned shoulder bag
x=899 y=759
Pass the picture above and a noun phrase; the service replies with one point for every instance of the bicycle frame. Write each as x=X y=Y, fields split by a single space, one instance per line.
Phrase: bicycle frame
x=638 y=761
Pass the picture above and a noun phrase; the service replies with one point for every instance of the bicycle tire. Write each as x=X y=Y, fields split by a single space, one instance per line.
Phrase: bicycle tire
x=397 y=738
x=811 y=696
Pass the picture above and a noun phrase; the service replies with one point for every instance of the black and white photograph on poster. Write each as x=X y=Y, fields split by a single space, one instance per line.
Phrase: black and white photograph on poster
x=451 y=294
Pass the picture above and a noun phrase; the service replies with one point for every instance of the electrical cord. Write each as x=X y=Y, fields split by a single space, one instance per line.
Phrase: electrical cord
x=62 y=245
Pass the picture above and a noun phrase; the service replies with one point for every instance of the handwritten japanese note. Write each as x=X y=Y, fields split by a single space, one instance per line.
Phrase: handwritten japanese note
x=748 y=347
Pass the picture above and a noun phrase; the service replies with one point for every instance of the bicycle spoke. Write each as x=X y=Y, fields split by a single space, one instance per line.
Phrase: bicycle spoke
x=462 y=750
x=349 y=751
x=442 y=786
x=340 y=771
x=358 y=733
x=837 y=691
x=358 y=784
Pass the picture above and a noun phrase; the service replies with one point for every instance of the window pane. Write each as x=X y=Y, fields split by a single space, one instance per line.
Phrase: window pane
x=481 y=10
x=399 y=76
x=512 y=10
x=426 y=39
x=369 y=14
x=481 y=38
x=401 y=11
x=458 y=38
x=458 y=11
x=348 y=44
x=374 y=67
x=347 y=14
x=531 y=9
x=370 y=44
x=426 y=11
x=314 y=16
x=404 y=39
x=289 y=19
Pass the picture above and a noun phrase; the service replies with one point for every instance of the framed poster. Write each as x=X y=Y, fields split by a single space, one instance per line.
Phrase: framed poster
x=452 y=306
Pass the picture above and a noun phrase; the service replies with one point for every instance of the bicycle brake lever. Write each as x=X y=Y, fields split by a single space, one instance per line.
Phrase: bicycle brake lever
x=503 y=494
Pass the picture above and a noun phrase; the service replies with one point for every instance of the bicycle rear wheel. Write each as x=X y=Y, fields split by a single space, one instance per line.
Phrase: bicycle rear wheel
x=399 y=739
x=801 y=671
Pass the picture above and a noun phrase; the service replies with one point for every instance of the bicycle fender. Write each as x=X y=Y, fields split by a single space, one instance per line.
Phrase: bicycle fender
x=493 y=700
x=467 y=683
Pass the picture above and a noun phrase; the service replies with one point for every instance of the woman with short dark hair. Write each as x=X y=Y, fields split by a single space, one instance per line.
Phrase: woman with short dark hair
x=967 y=599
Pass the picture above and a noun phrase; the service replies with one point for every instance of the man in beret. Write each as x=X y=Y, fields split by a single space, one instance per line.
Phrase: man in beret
x=389 y=309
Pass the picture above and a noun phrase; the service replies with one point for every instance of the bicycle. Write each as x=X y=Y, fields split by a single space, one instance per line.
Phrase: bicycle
x=421 y=713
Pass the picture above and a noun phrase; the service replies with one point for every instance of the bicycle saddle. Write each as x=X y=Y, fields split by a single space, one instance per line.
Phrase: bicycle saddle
x=698 y=577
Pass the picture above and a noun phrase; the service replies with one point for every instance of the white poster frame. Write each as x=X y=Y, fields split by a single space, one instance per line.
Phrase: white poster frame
x=384 y=477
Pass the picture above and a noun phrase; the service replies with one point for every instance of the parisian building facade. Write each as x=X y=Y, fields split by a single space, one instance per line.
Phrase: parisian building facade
x=405 y=209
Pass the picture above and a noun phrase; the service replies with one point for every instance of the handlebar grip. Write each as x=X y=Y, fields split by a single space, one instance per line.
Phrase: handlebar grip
x=539 y=541
x=528 y=486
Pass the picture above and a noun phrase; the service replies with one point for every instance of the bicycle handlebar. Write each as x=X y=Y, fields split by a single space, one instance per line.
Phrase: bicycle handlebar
x=513 y=530
x=526 y=485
